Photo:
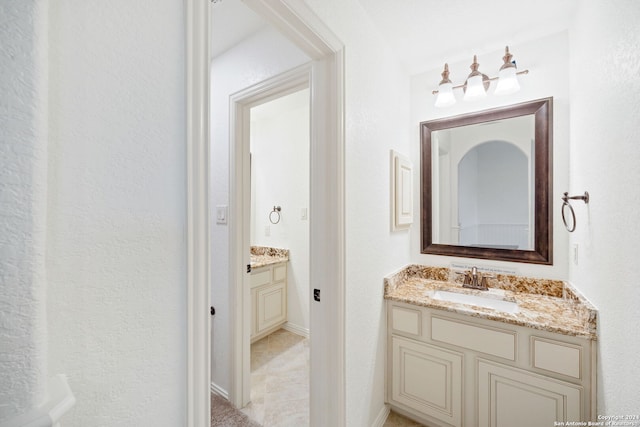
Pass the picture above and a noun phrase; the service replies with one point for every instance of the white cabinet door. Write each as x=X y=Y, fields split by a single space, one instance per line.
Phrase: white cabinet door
x=510 y=397
x=427 y=379
x=272 y=305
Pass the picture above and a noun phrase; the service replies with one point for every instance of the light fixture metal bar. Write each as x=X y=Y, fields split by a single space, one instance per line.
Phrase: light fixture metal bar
x=490 y=79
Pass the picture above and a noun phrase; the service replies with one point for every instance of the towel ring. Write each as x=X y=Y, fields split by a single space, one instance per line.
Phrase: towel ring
x=565 y=204
x=274 y=215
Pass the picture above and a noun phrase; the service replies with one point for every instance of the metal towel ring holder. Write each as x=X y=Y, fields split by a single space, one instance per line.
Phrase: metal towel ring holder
x=565 y=200
x=274 y=219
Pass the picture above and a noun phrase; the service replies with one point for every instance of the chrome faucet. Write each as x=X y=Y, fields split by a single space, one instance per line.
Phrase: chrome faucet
x=475 y=280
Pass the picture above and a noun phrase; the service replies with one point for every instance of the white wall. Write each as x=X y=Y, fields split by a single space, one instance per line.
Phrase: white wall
x=280 y=176
x=116 y=250
x=259 y=57
x=605 y=103
x=23 y=195
x=547 y=61
x=376 y=121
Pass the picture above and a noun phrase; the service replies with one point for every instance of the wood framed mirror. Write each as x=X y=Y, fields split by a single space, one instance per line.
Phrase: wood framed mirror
x=486 y=184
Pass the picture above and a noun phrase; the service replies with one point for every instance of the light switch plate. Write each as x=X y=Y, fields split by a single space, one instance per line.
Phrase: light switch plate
x=221 y=214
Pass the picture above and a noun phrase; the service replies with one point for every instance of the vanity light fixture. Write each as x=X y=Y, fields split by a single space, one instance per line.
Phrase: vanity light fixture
x=477 y=83
x=507 y=76
x=445 y=91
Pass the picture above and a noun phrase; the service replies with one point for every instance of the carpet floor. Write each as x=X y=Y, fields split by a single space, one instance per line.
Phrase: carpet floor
x=223 y=414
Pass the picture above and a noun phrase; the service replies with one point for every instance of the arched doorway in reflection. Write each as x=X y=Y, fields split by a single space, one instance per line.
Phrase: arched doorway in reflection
x=493 y=196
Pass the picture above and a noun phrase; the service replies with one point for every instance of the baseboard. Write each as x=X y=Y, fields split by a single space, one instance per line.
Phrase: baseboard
x=219 y=391
x=295 y=329
x=382 y=416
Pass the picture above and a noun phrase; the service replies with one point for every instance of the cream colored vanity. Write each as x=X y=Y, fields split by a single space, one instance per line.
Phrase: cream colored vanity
x=452 y=364
x=268 y=291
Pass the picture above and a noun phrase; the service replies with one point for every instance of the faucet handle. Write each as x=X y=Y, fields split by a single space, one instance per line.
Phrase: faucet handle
x=463 y=274
x=484 y=282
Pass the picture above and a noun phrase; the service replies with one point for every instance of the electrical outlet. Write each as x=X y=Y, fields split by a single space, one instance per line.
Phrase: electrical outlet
x=575 y=254
x=267 y=230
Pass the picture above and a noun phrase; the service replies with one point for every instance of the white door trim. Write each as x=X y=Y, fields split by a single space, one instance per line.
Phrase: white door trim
x=240 y=105
x=198 y=240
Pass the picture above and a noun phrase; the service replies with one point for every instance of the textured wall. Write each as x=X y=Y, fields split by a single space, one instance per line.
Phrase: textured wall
x=116 y=251
x=280 y=176
x=23 y=171
x=261 y=56
x=605 y=105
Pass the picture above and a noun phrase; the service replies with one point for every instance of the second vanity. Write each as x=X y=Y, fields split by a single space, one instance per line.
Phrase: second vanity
x=522 y=353
x=268 y=290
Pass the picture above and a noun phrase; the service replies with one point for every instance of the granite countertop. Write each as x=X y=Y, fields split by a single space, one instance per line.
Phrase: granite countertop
x=549 y=305
x=262 y=256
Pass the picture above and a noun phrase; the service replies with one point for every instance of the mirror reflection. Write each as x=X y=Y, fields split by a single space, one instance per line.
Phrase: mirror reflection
x=483 y=184
x=486 y=184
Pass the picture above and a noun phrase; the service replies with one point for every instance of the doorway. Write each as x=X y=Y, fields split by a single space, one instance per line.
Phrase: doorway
x=279 y=139
x=255 y=101
x=325 y=75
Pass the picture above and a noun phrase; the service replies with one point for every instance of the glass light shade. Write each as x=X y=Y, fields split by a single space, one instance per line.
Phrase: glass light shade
x=475 y=88
x=445 y=95
x=507 y=81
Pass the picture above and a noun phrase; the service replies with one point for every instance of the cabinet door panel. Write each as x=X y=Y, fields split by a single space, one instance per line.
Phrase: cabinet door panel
x=428 y=380
x=509 y=397
x=272 y=306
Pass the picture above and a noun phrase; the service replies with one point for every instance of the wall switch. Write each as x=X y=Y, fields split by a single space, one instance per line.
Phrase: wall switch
x=221 y=214
x=303 y=214
x=267 y=230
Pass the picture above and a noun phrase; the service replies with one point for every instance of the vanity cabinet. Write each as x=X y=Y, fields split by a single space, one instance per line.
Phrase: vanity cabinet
x=450 y=369
x=268 y=299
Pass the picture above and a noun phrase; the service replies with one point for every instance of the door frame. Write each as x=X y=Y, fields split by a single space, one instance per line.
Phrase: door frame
x=198 y=338
x=240 y=105
x=327 y=207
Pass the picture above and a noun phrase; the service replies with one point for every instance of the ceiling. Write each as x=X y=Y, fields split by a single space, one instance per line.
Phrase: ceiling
x=232 y=22
x=426 y=33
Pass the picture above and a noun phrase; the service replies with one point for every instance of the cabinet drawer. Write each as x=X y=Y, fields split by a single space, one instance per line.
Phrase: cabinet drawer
x=279 y=272
x=490 y=341
x=556 y=356
x=406 y=320
x=261 y=277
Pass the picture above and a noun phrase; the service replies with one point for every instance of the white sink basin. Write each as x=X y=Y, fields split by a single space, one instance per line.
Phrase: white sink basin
x=487 y=302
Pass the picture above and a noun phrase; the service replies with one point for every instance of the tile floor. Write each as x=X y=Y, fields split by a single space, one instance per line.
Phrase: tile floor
x=280 y=383
x=280 y=380
x=397 y=420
